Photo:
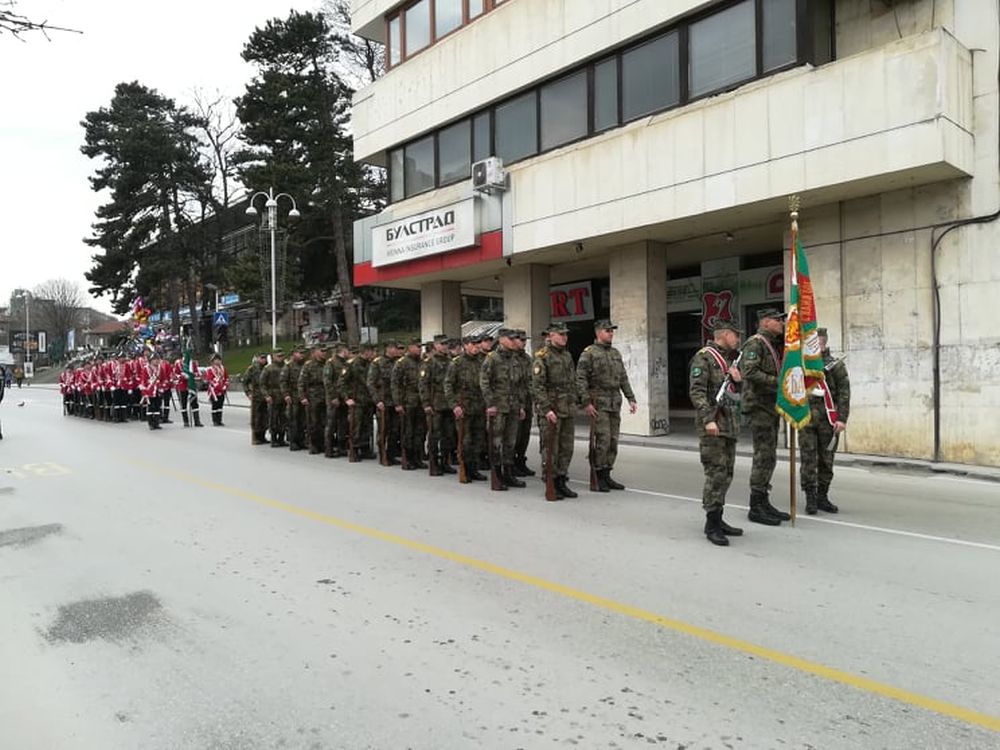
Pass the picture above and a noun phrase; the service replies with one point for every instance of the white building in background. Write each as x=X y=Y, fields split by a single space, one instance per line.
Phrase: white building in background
x=650 y=148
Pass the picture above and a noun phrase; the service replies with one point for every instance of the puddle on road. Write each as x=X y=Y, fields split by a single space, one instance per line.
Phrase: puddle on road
x=114 y=619
x=28 y=535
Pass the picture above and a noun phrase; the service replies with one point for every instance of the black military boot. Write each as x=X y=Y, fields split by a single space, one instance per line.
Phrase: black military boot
x=758 y=513
x=509 y=479
x=771 y=510
x=197 y=418
x=563 y=489
x=727 y=529
x=713 y=529
x=184 y=416
x=154 y=422
x=811 y=506
x=612 y=484
x=521 y=468
x=445 y=465
x=472 y=472
x=602 y=480
x=823 y=501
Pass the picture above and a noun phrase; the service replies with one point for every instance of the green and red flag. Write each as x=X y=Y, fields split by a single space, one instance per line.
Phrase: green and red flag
x=802 y=369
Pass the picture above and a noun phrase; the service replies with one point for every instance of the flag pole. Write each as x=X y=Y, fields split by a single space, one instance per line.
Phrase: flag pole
x=793 y=205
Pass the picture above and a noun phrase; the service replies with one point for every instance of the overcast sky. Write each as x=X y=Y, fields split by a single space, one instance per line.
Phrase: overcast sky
x=46 y=88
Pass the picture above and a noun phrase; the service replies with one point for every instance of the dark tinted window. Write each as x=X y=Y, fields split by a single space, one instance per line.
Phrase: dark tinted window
x=454 y=153
x=517 y=128
x=397 y=189
x=779 y=33
x=418 y=27
x=606 y=94
x=564 y=110
x=481 y=146
x=723 y=49
x=420 y=166
x=650 y=76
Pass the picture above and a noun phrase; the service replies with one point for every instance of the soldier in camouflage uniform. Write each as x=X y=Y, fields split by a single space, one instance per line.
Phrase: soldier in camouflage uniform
x=380 y=389
x=504 y=382
x=553 y=386
x=461 y=389
x=441 y=421
x=406 y=396
x=760 y=365
x=524 y=426
x=355 y=395
x=485 y=347
x=600 y=381
x=334 y=433
x=816 y=438
x=312 y=396
x=294 y=411
x=258 y=406
x=718 y=424
x=270 y=389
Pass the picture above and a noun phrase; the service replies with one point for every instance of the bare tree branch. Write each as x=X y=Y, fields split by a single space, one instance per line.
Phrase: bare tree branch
x=17 y=24
x=59 y=307
x=361 y=61
x=219 y=134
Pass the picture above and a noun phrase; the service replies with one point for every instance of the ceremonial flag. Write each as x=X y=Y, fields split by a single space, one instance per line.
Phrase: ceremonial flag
x=802 y=369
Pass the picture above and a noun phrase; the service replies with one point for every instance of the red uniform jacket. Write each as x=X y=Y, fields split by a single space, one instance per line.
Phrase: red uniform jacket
x=218 y=381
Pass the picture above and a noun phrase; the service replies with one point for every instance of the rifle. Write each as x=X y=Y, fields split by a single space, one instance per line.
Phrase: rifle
x=463 y=476
x=383 y=447
x=495 y=482
x=404 y=435
x=432 y=462
x=592 y=454
x=550 y=469
x=351 y=455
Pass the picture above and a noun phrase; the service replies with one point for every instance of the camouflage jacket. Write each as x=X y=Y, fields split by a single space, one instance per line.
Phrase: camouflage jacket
x=270 y=380
x=311 y=381
x=553 y=382
x=380 y=379
x=760 y=371
x=251 y=378
x=331 y=377
x=839 y=383
x=503 y=380
x=601 y=378
x=461 y=383
x=705 y=377
x=289 y=380
x=354 y=381
x=405 y=381
x=431 y=383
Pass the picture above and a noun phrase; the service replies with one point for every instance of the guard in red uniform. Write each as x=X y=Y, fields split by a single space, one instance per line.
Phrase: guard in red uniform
x=187 y=397
x=218 y=383
x=166 y=389
x=152 y=389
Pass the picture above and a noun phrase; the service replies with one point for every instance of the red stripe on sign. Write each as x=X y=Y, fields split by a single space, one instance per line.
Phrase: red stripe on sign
x=490 y=248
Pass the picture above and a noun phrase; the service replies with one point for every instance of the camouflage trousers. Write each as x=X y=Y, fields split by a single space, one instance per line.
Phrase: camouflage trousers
x=335 y=430
x=412 y=425
x=505 y=426
x=523 y=434
x=473 y=435
x=295 y=412
x=764 y=431
x=258 y=416
x=388 y=421
x=361 y=438
x=816 y=459
x=562 y=449
x=718 y=457
x=606 y=433
x=276 y=419
x=441 y=435
x=315 y=412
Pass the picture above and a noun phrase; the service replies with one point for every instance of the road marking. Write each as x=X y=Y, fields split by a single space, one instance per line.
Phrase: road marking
x=816 y=669
x=831 y=521
x=44 y=469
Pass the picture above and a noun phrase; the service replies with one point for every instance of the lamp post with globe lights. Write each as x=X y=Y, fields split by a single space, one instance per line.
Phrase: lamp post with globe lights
x=271 y=204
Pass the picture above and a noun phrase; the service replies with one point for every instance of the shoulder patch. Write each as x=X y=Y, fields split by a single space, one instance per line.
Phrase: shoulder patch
x=695 y=372
x=538 y=369
x=751 y=354
x=589 y=348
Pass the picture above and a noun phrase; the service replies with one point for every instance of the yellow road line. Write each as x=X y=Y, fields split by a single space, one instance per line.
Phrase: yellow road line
x=944 y=708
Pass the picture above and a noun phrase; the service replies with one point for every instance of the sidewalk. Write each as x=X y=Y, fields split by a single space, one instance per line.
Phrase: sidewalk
x=683 y=437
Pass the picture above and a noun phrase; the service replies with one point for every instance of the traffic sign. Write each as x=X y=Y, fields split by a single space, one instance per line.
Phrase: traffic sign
x=220 y=319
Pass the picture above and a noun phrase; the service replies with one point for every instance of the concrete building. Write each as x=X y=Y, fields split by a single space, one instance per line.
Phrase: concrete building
x=650 y=148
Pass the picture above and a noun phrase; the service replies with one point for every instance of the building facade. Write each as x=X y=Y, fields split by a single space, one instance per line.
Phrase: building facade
x=650 y=147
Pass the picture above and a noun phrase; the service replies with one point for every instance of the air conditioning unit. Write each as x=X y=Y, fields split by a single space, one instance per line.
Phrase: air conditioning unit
x=489 y=175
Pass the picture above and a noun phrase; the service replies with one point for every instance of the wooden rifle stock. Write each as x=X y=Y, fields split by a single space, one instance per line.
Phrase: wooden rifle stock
x=404 y=436
x=463 y=475
x=495 y=482
x=383 y=446
x=591 y=454
x=352 y=456
x=550 y=468
x=432 y=461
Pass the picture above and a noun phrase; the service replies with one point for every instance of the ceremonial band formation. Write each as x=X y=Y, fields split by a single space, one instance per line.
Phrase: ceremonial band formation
x=469 y=404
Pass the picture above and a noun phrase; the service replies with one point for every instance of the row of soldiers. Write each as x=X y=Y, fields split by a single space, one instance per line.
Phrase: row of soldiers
x=467 y=403
x=121 y=389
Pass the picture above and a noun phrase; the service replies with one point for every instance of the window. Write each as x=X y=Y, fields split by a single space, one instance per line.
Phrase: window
x=454 y=153
x=447 y=16
x=606 y=94
x=651 y=76
x=418 y=26
x=482 y=146
x=517 y=128
x=564 y=110
x=476 y=8
x=821 y=12
x=395 y=46
x=419 y=168
x=779 y=33
x=722 y=49
x=397 y=190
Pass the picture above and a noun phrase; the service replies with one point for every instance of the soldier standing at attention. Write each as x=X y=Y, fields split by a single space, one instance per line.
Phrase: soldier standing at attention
x=406 y=395
x=761 y=363
x=312 y=396
x=600 y=382
x=380 y=389
x=354 y=394
x=331 y=389
x=553 y=385
x=461 y=389
x=439 y=415
x=504 y=382
x=524 y=426
x=294 y=412
x=258 y=406
x=270 y=389
x=718 y=424
x=816 y=439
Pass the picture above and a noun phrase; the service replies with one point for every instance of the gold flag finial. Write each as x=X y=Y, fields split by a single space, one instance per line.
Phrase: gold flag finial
x=794 y=202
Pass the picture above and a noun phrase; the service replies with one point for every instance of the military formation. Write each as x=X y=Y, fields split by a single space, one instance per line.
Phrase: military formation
x=448 y=406
x=725 y=380
x=121 y=388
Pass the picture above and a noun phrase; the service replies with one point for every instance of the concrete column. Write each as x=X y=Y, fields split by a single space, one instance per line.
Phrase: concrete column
x=526 y=299
x=441 y=309
x=639 y=309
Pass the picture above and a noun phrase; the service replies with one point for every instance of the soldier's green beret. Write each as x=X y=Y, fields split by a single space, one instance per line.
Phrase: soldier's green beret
x=770 y=313
x=504 y=333
x=604 y=325
x=440 y=338
x=726 y=325
x=557 y=328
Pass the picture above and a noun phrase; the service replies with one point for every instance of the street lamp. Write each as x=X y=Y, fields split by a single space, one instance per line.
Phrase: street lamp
x=26 y=295
x=272 y=222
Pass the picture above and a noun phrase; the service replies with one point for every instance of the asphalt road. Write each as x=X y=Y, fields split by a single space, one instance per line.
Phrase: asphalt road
x=182 y=589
